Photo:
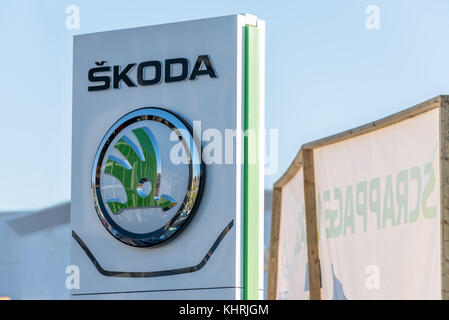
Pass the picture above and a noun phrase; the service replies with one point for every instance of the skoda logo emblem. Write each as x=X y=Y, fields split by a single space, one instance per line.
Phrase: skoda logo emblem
x=142 y=197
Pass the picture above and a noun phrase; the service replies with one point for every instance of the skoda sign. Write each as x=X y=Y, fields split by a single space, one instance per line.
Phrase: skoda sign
x=141 y=196
x=145 y=222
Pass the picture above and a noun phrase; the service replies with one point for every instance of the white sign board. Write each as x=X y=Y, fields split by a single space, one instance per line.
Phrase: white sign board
x=149 y=219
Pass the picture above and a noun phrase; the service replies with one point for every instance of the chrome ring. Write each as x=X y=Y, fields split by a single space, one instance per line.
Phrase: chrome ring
x=195 y=183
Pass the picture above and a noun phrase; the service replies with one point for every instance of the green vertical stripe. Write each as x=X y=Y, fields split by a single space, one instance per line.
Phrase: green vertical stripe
x=251 y=170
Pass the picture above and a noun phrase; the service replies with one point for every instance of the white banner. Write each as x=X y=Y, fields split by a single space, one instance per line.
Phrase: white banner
x=378 y=206
x=292 y=278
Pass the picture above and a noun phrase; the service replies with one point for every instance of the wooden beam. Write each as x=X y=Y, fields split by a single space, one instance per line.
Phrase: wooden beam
x=311 y=225
x=375 y=125
x=274 y=243
x=411 y=112
x=444 y=194
x=292 y=170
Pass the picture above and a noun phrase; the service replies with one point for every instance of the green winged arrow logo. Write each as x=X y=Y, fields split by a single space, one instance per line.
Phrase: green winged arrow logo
x=142 y=166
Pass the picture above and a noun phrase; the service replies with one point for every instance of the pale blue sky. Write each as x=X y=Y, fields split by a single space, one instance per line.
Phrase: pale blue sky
x=325 y=73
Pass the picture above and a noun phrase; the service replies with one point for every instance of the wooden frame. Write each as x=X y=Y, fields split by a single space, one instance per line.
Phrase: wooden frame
x=304 y=160
x=444 y=194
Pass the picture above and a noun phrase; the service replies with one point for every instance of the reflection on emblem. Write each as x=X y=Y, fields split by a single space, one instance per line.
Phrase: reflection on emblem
x=131 y=199
x=139 y=170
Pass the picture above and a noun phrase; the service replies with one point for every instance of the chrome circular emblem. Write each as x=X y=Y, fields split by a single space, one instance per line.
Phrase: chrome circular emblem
x=147 y=178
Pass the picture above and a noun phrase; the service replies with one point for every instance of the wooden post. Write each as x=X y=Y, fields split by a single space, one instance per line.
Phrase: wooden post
x=311 y=225
x=274 y=243
x=444 y=194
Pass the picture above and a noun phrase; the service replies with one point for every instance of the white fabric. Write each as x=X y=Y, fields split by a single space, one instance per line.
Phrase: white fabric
x=292 y=255
x=392 y=258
